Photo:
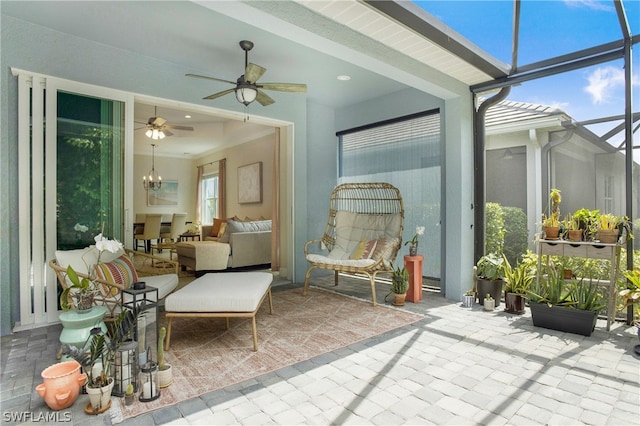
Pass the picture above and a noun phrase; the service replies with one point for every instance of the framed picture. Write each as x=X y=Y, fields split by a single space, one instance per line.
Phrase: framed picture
x=250 y=183
x=167 y=195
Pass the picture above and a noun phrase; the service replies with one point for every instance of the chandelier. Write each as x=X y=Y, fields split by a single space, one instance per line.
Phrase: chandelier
x=153 y=180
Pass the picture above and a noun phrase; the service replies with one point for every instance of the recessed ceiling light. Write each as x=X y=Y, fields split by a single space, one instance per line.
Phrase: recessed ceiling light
x=344 y=78
x=187 y=116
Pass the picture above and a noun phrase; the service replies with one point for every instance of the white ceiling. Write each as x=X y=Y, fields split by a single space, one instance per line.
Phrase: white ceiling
x=294 y=43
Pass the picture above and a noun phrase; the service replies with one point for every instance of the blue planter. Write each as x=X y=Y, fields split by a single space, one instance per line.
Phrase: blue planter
x=563 y=319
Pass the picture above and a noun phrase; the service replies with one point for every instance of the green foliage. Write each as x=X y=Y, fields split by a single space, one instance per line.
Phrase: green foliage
x=400 y=280
x=516 y=233
x=494 y=229
x=518 y=279
x=490 y=266
x=77 y=288
x=586 y=295
x=162 y=333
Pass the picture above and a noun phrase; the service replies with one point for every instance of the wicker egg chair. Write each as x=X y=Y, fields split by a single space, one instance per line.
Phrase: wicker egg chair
x=363 y=233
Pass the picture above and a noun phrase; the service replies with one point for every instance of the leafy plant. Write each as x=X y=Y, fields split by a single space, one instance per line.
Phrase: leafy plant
x=631 y=296
x=494 y=228
x=400 y=280
x=516 y=233
x=589 y=221
x=488 y=297
x=550 y=289
x=551 y=221
x=585 y=295
x=517 y=279
x=490 y=266
x=609 y=221
x=555 y=198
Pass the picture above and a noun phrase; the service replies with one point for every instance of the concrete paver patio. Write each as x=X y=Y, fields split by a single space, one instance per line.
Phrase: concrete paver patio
x=456 y=366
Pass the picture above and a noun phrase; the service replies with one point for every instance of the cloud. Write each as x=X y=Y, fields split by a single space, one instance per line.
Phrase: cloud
x=590 y=4
x=602 y=82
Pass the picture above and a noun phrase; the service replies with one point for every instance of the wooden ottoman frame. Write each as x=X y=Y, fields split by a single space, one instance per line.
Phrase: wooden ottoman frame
x=226 y=315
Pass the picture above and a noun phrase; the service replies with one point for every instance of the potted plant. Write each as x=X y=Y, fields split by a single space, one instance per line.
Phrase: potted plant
x=413 y=242
x=129 y=397
x=468 y=299
x=631 y=297
x=517 y=281
x=165 y=374
x=489 y=302
x=490 y=272
x=588 y=221
x=399 y=285
x=571 y=307
x=572 y=226
x=551 y=223
x=98 y=359
x=608 y=231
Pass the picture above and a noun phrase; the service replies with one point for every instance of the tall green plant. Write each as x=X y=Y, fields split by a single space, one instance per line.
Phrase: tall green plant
x=516 y=233
x=494 y=229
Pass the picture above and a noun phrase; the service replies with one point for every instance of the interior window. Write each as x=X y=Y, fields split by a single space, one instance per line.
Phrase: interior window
x=209 y=199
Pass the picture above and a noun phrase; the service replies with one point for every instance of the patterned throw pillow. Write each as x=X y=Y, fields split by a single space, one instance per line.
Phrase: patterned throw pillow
x=119 y=271
x=364 y=249
x=217 y=224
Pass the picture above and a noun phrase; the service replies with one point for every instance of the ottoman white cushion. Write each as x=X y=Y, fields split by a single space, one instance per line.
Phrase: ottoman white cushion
x=221 y=292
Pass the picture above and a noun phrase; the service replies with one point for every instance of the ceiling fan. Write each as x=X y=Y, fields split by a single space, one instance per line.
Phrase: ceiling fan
x=157 y=127
x=246 y=87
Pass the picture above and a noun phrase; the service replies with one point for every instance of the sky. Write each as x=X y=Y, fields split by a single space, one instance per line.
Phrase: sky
x=549 y=28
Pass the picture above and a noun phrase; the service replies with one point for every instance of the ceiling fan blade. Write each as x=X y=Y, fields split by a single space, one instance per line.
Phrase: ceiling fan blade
x=211 y=78
x=156 y=121
x=253 y=72
x=284 y=87
x=166 y=132
x=264 y=99
x=173 y=126
x=217 y=95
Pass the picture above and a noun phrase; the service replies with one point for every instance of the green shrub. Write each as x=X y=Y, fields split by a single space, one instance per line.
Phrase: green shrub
x=516 y=233
x=494 y=229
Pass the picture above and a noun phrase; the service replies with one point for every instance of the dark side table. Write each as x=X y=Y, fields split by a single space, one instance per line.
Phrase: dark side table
x=187 y=236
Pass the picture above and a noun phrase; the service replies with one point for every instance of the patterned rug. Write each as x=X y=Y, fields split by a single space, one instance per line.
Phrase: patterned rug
x=205 y=356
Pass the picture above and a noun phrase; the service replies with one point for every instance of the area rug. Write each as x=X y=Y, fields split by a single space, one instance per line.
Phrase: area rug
x=205 y=356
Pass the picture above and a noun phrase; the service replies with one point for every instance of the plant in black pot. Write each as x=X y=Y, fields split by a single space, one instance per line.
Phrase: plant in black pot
x=565 y=306
x=630 y=298
x=490 y=272
x=517 y=281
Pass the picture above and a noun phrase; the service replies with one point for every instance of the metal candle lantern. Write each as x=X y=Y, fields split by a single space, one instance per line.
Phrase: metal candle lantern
x=125 y=368
x=149 y=380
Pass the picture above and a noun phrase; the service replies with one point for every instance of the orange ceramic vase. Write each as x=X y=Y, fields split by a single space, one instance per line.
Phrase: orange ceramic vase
x=61 y=385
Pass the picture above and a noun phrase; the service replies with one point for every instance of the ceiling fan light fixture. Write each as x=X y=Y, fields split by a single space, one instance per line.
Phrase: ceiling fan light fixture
x=155 y=134
x=246 y=93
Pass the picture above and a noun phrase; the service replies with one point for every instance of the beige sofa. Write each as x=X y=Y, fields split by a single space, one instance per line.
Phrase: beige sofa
x=242 y=244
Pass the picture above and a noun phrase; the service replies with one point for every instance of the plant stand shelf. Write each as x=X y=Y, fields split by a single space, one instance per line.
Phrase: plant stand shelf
x=591 y=250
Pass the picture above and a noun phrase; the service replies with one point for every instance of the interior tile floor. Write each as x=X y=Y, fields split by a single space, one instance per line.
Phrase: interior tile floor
x=456 y=366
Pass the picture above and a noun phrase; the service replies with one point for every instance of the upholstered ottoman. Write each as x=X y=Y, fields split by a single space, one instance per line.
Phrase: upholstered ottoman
x=221 y=295
x=203 y=255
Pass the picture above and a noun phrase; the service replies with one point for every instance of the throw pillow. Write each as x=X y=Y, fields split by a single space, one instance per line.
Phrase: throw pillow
x=364 y=249
x=120 y=271
x=215 y=230
x=222 y=230
x=383 y=244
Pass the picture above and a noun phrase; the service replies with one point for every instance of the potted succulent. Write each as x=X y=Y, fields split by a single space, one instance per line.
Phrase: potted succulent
x=129 y=397
x=608 y=231
x=489 y=302
x=571 y=307
x=98 y=360
x=517 y=281
x=490 y=272
x=468 y=299
x=165 y=373
x=588 y=221
x=572 y=227
x=551 y=223
x=399 y=285
x=413 y=242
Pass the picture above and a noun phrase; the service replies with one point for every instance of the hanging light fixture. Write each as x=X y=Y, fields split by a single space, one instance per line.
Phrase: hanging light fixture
x=153 y=181
x=155 y=134
x=246 y=93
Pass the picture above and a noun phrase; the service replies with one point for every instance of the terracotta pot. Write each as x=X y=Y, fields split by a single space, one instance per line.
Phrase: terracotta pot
x=399 y=299
x=551 y=232
x=61 y=385
x=609 y=236
x=575 y=235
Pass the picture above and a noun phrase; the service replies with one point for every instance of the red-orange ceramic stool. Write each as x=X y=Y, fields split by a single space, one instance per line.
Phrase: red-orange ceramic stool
x=413 y=265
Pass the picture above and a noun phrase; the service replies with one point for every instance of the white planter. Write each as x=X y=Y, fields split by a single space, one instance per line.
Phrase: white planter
x=489 y=304
x=165 y=377
x=100 y=398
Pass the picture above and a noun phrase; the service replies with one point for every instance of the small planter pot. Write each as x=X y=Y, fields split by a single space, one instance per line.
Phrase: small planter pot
x=574 y=235
x=99 y=399
x=129 y=399
x=563 y=319
x=551 y=232
x=398 y=299
x=489 y=305
x=514 y=303
x=165 y=377
x=468 y=301
x=61 y=385
x=608 y=236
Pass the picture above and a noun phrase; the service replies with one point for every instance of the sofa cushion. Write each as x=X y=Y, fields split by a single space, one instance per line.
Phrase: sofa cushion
x=120 y=271
x=164 y=283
